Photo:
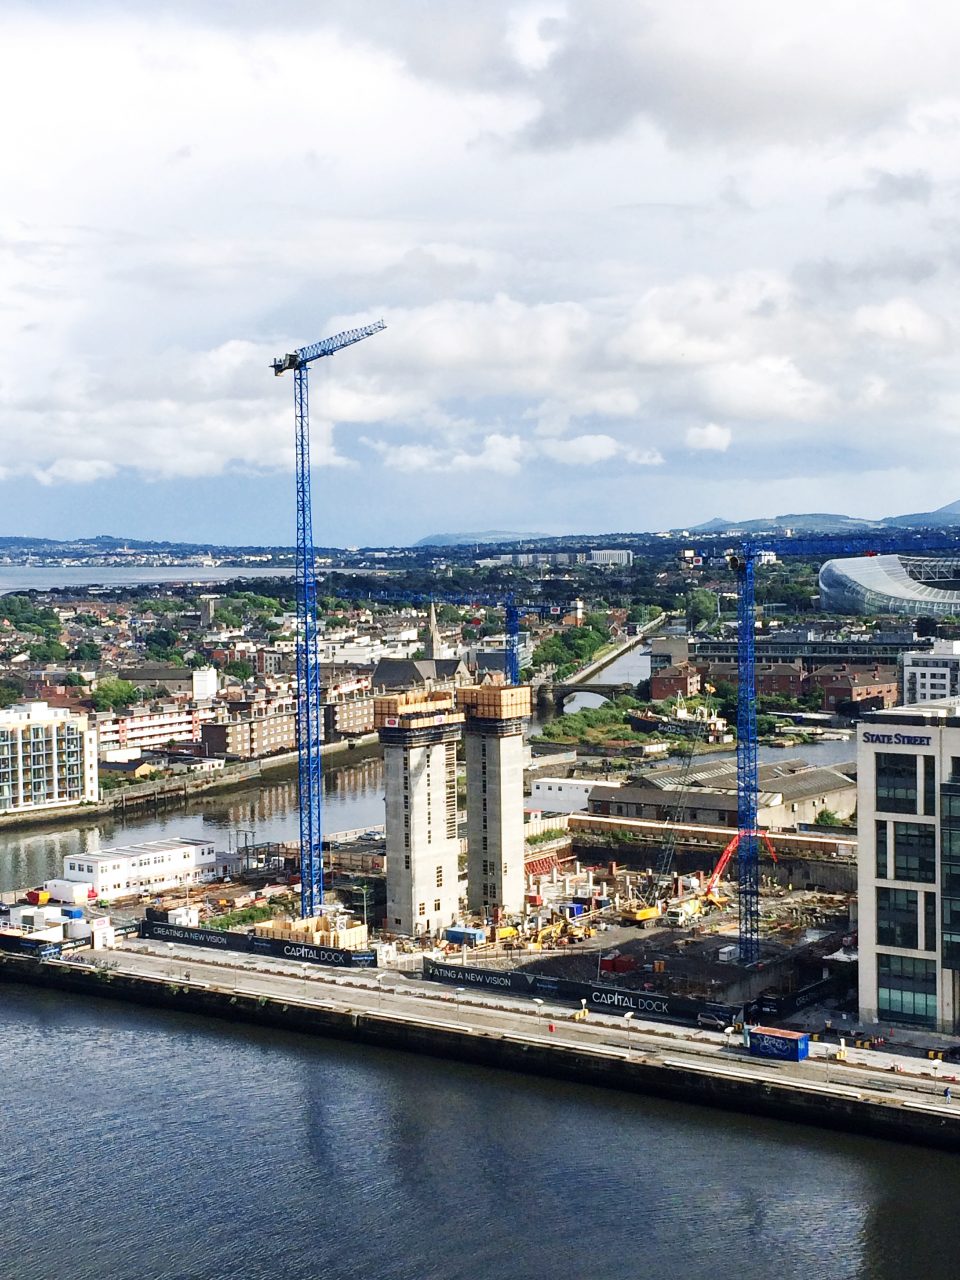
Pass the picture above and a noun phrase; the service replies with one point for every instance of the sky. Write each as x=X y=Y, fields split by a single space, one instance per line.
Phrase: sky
x=641 y=264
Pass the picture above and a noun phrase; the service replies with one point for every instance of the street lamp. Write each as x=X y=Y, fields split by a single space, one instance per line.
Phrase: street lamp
x=364 y=889
x=539 y=1004
x=379 y=981
x=459 y=993
x=583 y=1006
x=627 y=1019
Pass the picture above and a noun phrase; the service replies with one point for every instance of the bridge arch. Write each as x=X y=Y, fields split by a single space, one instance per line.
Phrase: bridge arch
x=608 y=692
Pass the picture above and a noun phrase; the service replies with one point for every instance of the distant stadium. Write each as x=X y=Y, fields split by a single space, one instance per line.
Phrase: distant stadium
x=906 y=585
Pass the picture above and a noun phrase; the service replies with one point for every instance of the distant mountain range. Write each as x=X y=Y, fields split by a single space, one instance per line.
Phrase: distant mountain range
x=827 y=522
x=487 y=537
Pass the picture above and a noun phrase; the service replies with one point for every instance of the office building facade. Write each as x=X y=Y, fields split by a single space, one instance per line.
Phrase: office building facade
x=909 y=866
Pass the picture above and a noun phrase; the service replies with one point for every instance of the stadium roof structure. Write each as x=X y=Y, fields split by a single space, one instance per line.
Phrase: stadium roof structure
x=891 y=584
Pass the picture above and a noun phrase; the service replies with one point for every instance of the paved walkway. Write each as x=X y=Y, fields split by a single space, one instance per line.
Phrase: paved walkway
x=866 y=1075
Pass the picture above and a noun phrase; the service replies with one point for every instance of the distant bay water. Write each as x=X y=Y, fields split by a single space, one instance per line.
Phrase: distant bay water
x=21 y=577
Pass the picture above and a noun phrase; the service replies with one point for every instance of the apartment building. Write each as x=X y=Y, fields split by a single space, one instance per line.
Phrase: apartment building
x=48 y=758
x=252 y=727
x=933 y=675
x=152 y=725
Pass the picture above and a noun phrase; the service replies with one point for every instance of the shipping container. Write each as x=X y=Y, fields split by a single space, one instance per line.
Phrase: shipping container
x=465 y=934
x=770 y=1042
x=72 y=913
x=38 y=897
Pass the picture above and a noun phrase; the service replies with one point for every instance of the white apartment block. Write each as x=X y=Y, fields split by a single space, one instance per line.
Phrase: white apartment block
x=152 y=867
x=48 y=758
x=419 y=733
x=932 y=674
x=908 y=767
x=612 y=556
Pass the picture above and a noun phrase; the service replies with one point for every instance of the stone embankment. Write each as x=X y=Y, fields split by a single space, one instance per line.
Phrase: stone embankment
x=853 y=1102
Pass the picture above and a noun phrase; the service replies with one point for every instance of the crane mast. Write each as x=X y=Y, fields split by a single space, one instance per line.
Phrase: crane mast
x=743 y=562
x=309 y=690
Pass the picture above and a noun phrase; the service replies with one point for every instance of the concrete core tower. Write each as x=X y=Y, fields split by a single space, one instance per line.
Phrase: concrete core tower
x=494 y=752
x=419 y=733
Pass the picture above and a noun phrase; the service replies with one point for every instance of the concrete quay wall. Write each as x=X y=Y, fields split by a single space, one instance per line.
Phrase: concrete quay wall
x=600 y=1066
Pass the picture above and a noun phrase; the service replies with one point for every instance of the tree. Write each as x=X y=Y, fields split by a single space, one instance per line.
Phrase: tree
x=112 y=695
x=74 y=680
x=10 y=693
x=701 y=607
x=86 y=651
x=826 y=818
x=48 y=651
x=241 y=670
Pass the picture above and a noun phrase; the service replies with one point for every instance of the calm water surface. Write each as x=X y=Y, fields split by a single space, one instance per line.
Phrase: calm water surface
x=17 y=577
x=145 y=1146
x=353 y=797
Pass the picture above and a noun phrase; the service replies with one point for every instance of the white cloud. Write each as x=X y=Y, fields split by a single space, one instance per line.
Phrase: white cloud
x=766 y=387
x=710 y=438
x=586 y=226
x=901 y=320
x=581 y=450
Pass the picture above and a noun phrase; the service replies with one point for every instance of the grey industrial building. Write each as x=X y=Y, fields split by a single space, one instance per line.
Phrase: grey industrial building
x=791 y=792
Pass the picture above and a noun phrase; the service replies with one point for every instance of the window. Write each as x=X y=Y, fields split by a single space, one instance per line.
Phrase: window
x=929 y=922
x=406 y=862
x=422 y=909
x=436 y=904
x=882 y=872
x=439 y=877
x=907 y=990
x=929 y=785
x=897 y=918
x=914 y=852
x=896 y=790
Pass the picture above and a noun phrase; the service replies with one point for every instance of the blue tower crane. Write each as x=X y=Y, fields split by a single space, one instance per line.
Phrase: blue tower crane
x=743 y=563
x=309 y=709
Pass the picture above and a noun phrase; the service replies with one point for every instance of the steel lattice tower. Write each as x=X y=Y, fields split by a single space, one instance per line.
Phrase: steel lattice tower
x=309 y=691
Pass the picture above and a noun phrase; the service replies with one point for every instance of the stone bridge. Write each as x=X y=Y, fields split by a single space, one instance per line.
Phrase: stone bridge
x=559 y=693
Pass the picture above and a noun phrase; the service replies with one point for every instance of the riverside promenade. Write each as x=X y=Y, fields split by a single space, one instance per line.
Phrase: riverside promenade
x=875 y=1093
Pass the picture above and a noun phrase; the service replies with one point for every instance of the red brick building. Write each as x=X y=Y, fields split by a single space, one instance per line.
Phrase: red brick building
x=843 y=685
x=774 y=679
x=671 y=681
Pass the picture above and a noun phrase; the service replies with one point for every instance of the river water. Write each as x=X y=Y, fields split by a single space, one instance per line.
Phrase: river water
x=141 y=1145
x=353 y=797
x=23 y=577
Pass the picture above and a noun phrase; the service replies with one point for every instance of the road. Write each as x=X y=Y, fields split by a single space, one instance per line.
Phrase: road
x=907 y=1082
